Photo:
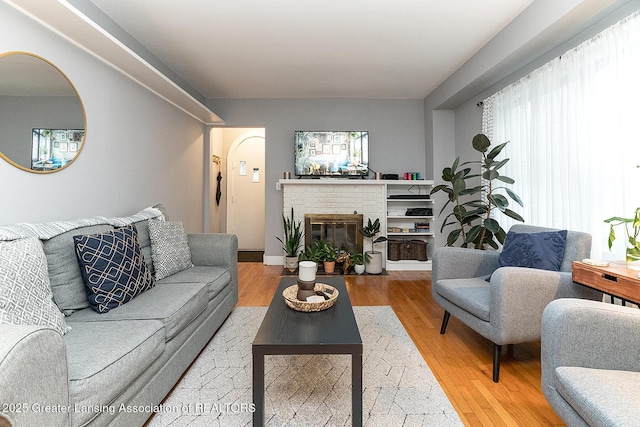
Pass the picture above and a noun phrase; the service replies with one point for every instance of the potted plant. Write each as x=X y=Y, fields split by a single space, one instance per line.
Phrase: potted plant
x=359 y=259
x=473 y=206
x=328 y=254
x=310 y=253
x=632 y=237
x=292 y=242
x=374 y=266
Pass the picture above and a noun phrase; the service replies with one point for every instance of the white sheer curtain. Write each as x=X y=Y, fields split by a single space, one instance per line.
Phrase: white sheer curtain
x=574 y=132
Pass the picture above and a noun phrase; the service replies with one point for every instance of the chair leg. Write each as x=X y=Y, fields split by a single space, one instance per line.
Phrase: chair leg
x=445 y=321
x=496 y=362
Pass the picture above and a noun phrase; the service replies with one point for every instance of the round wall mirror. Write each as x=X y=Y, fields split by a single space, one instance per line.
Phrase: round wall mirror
x=42 y=120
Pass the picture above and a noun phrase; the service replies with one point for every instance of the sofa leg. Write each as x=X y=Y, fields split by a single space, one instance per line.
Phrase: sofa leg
x=496 y=362
x=445 y=321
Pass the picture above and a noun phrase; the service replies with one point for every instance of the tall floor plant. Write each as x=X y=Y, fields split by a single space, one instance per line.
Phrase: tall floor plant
x=473 y=206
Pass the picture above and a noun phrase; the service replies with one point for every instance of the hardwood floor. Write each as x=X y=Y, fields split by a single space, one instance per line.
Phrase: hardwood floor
x=461 y=359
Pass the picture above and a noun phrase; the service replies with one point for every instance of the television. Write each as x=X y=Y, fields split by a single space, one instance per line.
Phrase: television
x=331 y=153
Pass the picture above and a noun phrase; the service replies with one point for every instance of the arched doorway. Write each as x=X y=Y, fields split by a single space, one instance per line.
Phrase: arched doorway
x=246 y=190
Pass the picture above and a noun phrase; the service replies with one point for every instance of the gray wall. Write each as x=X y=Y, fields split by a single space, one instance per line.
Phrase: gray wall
x=396 y=141
x=139 y=149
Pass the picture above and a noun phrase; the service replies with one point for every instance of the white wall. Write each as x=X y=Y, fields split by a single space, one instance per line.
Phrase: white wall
x=396 y=141
x=139 y=150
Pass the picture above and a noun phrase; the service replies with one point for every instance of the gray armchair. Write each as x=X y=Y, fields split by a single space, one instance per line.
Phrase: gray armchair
x=508 y=308
x=591 y=362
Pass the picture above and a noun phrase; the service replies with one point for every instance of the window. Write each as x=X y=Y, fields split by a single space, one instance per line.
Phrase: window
x=574 y=132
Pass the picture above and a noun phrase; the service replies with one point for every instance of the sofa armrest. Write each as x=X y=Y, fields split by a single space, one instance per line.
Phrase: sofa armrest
x=33 y=376
x=590 y=334
x=460 y=263
x=215 y=249
x=518 y=298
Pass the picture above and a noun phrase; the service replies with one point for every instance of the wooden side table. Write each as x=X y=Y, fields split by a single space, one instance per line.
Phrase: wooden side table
x=616 y=279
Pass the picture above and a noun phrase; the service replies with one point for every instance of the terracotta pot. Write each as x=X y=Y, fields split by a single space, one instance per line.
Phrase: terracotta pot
x=329 y=266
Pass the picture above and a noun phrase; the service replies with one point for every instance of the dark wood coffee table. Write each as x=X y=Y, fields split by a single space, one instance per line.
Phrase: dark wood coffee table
x=286 y=331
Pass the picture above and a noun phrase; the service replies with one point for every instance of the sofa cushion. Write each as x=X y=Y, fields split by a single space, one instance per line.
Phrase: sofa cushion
x=104 y=358
x=543 y=250
x=601 y=397
x=25 y=294
x=112 y=267
x=64 y=272
x=142 y=227
x=216 y=278
x=473 y=295
x=169 y=248
x=174 y=306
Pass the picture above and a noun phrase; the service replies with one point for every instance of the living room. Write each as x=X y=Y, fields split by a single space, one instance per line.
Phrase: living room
x=148 y=141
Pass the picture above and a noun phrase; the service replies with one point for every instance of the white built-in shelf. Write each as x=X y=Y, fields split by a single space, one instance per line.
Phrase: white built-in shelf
x=404 y=194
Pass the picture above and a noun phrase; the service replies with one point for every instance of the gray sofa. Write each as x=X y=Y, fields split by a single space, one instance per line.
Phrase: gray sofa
x=115 y=368
x=591 y=362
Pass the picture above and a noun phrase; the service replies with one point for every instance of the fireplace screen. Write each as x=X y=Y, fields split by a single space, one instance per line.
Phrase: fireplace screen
x=339 y=230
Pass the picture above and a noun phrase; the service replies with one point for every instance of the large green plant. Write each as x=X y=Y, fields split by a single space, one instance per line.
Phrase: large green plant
x=292 y=235
x=471 y=216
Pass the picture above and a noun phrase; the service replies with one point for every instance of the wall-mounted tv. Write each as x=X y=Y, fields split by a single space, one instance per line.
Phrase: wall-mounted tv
x=331 y=153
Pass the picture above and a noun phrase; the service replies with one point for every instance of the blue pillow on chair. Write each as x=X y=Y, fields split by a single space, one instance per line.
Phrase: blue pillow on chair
x=544 y=250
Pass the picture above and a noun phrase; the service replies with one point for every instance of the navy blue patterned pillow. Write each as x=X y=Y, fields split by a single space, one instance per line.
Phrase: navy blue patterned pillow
x=112 y=267
x=544 y=250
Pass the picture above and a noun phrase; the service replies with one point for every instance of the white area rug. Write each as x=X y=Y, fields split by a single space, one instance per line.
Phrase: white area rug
x=309 y=390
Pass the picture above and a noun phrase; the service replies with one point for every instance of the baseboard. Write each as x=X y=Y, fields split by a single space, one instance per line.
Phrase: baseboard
x=273 y=260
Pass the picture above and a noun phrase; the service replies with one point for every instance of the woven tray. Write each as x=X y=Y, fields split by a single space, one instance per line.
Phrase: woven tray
x=290 y=297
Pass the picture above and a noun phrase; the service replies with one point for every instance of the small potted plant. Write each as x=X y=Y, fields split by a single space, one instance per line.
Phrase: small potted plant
x=328 y=254
x=359 y=259
x=310 y=253
x=374 y=266
x=292 y=242
x=632 y=237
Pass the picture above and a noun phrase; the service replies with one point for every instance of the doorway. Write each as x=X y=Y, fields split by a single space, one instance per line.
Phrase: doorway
x=241 y=208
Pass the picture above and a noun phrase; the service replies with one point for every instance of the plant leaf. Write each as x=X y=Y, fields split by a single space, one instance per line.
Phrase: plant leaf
x=453 y=237
x=512 y=214
x=492 y=225
x=480 y=142
x=506 y=179
x=473 y=234
x=500 y=164
x=490 y=175
x=514 y=196
x=459 y=185
x=496 y=150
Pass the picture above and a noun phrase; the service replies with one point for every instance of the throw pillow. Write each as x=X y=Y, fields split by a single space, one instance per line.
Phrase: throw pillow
x=25 y=294
x=544 y=250
x=169 y=248
x=112 y=267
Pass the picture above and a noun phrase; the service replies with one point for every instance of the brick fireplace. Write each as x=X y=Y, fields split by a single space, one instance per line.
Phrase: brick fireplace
x=335 y=197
